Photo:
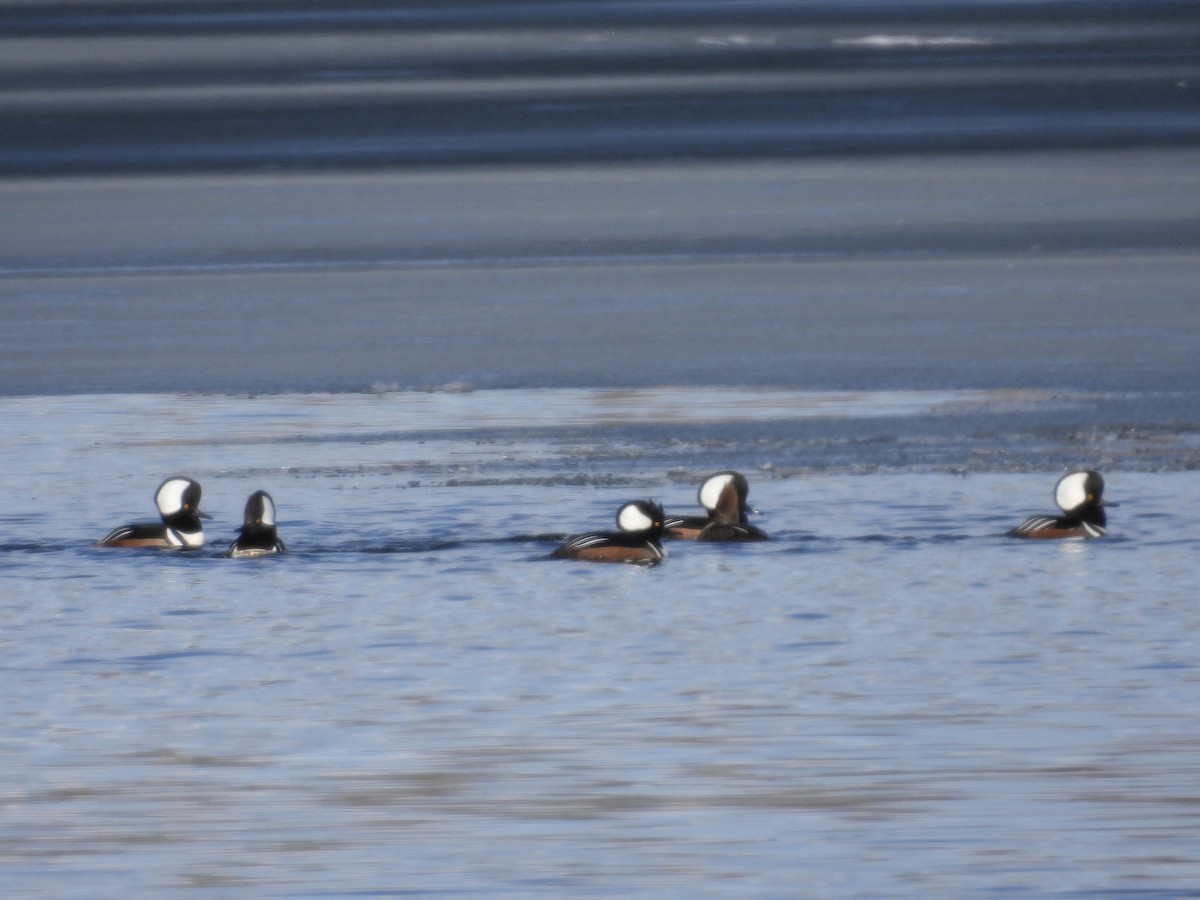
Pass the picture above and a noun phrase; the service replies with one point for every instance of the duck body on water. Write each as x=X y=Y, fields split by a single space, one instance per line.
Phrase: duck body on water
x=257 y=536
x=639 y=541
x=1080 y=495
x=641 y=524
x=723 y=497
x=178 y=502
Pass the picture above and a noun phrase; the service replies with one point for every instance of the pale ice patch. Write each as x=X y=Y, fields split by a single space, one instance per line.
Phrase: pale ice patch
x=201 y=419
x=888 y=41
x=735 y=40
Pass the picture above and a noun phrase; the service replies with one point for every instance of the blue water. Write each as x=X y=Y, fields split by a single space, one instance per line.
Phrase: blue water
x=453 y=281
x=888 y=697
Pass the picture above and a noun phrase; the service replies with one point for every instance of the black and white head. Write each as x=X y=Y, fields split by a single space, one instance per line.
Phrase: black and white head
x=260 y=510
x=709 y=494
x=178 y=495
x=710 y=491
x=1078 y=489
x=640 y=515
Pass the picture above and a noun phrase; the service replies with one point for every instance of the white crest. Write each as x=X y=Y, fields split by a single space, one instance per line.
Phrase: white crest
x=169 y=498
x=266 y=507
x=631 y=517
x=710 y=491
x=1071 y=491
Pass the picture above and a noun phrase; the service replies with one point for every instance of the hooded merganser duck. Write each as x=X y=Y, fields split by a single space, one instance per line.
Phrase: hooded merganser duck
x=1080 y=495
x=178 y=502
x=729 y=517
x=724 y=496
x=257 y=536
x=638 y=541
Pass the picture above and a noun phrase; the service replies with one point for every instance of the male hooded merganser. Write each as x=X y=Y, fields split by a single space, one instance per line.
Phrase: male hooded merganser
x=727 y=491
x=729 y=518
x=1079 y=495
x=257 y=536
x=638 y=541
x=178 y=502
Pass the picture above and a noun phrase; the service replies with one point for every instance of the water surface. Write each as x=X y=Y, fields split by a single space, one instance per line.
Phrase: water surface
x=888 y=697
x=452 y=281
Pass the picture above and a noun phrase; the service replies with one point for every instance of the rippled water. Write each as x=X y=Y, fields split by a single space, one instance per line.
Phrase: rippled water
x=886 y=698
x=453 y=280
